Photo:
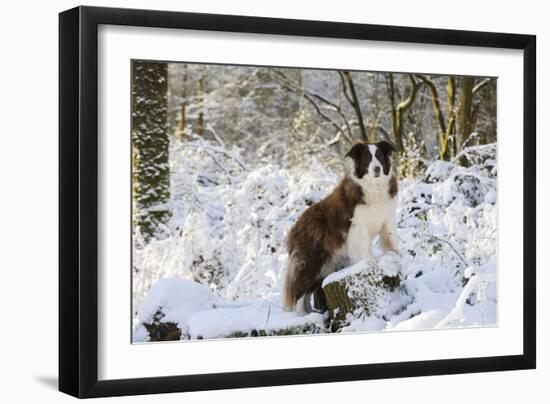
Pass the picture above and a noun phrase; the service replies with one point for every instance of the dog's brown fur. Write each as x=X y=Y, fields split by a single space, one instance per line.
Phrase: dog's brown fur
x=310 y=243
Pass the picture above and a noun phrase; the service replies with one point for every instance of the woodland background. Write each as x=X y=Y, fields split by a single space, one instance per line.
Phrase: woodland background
x=226 y=158
x=286 y=115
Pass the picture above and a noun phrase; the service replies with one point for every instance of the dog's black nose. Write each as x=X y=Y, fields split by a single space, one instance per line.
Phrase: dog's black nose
x=377 y=170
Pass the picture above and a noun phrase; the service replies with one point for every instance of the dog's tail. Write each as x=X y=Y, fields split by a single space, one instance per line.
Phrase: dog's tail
x=289 y=285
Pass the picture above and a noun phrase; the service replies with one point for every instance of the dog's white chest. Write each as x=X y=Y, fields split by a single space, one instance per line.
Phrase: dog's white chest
x=367 y=223
x=369 y=219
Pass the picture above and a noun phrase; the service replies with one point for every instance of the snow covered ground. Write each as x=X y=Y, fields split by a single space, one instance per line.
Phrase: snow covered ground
x=220 y=271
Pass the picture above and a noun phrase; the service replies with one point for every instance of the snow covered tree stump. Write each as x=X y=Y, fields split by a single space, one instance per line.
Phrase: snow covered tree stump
x=360 y=290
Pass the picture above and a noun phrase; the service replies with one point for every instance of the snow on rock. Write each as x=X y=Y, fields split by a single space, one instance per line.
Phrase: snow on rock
x=174 y=300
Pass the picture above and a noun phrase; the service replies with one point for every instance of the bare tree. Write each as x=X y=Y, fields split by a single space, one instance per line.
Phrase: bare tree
x=353 y=100
x=181 y=122
x=465 y=111
x=485 y=123
x=332 y=111
x=321 y=104
x=445 y=127
x=451 y=126
x=398 y=109
x=200 y=121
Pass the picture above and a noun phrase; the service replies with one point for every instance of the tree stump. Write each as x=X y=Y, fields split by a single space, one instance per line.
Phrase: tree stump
x=358 y=291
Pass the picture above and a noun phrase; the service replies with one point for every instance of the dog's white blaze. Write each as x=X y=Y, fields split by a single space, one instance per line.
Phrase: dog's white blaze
x=374 y=161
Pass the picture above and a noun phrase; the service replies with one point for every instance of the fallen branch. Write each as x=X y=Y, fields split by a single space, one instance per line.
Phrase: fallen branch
x=220 y=166
x=207 y=147
x=457 y=313
x=479 y=86
x=432 y=237
x=219 y=139
x=483 y=149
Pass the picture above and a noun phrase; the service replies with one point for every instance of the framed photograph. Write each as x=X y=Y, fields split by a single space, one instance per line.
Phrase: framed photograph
x=251 y=201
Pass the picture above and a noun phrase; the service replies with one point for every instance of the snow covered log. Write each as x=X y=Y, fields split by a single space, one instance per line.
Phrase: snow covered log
x=160 y=331
x=170 y=331
x=360 y=290
x=180 y=309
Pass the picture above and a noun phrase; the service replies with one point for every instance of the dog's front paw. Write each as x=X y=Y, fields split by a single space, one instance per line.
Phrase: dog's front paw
x=370 y=261
x=395 y=251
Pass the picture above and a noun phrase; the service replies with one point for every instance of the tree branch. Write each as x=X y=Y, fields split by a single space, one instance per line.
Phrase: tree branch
x=438 y=115
x=356 y=106
x=310 y=96
x=327 y=118
x=344 y=88
x=479 y=86
x=406 y=104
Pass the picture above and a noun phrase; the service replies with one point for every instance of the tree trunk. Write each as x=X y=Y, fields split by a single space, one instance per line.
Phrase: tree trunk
x=200 y=121
x=465 y=111
x=180 y=132
x=399 y=110
x=356 y=105
x=182 y=122
x=150 y=147
x=442 y=127
x=396 y=128
x=451 y=119
x=473 y=119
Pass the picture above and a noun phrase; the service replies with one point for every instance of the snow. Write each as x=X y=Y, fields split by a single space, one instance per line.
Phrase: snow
x=221 y=269
x=259 y=316
x=201 y=314
x=173 y=295
x=388 y=264
x=355 y=269
x=177 y=299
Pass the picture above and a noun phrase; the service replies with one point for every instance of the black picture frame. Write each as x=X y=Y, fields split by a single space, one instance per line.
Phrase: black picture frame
x=78 y=200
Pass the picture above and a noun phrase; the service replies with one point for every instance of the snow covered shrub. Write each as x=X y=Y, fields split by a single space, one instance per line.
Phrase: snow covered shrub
x=229 y=222
x=410 y=162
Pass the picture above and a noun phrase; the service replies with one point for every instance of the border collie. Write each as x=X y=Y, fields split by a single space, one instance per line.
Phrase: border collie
x=338 y=230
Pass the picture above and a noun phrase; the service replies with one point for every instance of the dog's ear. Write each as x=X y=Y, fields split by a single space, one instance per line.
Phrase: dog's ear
x=360 y=156
x=356 y=151
x=386 y=147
